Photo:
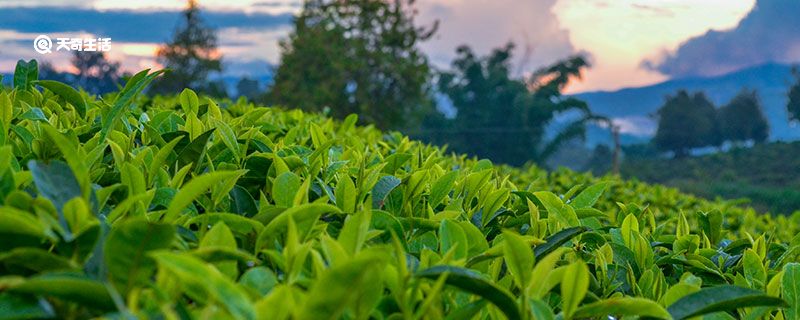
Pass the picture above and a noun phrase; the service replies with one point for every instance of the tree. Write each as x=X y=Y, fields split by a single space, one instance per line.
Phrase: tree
x=356 y=56
x=247 y=87
x=707 y=110
x=95 y=74
x=503 y=118
x=742 y=119
x=793 y=106
x=686 y=122
x=191 y=55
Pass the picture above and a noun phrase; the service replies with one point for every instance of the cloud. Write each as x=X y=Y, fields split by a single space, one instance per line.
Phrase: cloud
x=488 y=24
x=769 y=33
x=125 y=25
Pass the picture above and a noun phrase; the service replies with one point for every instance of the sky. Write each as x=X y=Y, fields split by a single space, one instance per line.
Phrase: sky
x=629 y=42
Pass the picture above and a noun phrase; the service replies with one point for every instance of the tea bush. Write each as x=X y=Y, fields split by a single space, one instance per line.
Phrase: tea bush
x=185 y=207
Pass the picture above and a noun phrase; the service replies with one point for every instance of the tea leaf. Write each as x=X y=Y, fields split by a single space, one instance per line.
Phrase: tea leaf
x=197 y=186
x=441 y=187
x=25 y=74
x=519 y=258
x=356 y=285
x=68 y=287
x=381 y=189
x=126 y=251
x=285 y=188
x=574 y=287
x=472 y=282
x=452 y=237
x=791 y=289
x=626 y=306
x=588 y=197
x=720 y=298
x=66 y=92
x=192 y=270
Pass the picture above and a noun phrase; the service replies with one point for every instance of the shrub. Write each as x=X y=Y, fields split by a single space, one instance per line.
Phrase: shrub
x=187 y=207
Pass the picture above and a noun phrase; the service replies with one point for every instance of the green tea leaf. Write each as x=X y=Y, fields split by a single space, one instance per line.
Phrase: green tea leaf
x=574 y=287
x=193 y=189
x=519 y=258
x=355 y=285
x=557 y=209
x=193 y=270
x=543 y=270
x=189 y=101
x=6 y=110
x=452 y=237
x=132 y=88
x=346 y=194
x=472 y=282
x=126 y=251
x=25 y=74
x=68 y=287
x=66 y=92
x=285 y=188
x=625 y=306
x=381 y=189
x=720 y=298
x=791 y=289
x=557 y=240
x=588 y=197
x=18 y=306
x=441 y=188
x=242 y=202
x=304 y=216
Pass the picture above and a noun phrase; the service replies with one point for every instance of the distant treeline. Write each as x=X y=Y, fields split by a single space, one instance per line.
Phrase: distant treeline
x=363 y=57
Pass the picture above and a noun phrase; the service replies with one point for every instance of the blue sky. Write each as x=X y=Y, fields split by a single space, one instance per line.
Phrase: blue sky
x=630 y=42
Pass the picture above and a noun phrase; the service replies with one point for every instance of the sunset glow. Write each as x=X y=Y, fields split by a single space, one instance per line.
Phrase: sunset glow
x=619 y=37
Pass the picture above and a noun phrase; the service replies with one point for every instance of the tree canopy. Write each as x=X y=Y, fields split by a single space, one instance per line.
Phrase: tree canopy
x=503 y=117
x=356 y=56
x=793 y=105
x=191 y=56
x=742 y=119
x=685 y=122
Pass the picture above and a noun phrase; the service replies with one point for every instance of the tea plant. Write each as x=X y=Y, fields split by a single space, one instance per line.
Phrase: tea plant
x=185 y=207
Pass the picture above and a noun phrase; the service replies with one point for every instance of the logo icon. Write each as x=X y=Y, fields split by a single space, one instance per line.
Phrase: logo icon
x=42 y=44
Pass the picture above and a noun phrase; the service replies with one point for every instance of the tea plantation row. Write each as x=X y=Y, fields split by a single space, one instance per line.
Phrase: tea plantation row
x=181 y=208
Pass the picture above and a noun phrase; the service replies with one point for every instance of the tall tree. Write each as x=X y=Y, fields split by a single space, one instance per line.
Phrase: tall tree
x=356 y=56
x=686 y=122
x=793 y=106
x=706 y=109
x=95 y=74
x=742 y=119
x=247 y=88
x=504 y=118
x=191 y=55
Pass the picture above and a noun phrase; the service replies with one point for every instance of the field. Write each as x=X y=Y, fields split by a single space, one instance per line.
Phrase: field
x=183 y=207
x=766 y=174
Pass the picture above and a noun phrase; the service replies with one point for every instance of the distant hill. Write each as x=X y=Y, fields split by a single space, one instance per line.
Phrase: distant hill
x=636 y=105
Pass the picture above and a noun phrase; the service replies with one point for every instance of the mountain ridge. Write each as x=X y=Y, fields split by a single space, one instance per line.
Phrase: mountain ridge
x=632 y=107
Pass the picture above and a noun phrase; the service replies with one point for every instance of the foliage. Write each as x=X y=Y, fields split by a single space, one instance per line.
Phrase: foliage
x=765 y=174
x=356 y=56
x=96 y=74
x=503 y=118
x=742 y=119
x=191 y=56
x=685 y=122
x=188 y=208
x=247 y=88
x=793 y=105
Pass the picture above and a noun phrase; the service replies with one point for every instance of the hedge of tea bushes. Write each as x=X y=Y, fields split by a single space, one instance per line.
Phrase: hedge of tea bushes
x=186 y=207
